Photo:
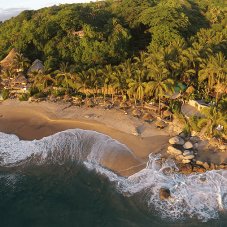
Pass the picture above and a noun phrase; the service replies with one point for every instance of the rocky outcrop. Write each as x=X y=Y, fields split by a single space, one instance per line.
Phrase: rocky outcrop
x=174 y=151
x=188 y=145
x=164 y=193
x=176 y=141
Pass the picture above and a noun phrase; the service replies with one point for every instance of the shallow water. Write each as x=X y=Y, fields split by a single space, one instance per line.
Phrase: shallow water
x=58 y=181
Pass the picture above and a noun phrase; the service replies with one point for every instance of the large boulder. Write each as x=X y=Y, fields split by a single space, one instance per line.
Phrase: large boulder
x=186 y=161
x=174 y=151
x=179 y=157
x=187 y=152
x=176 y=140
x=189 y=157
x=164 y=193
x=206 y=165
x=188 y=145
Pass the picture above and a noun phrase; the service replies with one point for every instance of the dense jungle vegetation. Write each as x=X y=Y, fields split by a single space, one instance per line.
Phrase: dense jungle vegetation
x=141 y=49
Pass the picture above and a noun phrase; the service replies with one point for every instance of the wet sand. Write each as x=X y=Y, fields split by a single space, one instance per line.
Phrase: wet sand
x=31 y=121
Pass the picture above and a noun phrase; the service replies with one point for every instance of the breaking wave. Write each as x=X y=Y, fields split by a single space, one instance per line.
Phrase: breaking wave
x=201 y=196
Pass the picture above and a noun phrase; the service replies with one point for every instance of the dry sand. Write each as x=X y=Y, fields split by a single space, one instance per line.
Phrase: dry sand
x=36 y=120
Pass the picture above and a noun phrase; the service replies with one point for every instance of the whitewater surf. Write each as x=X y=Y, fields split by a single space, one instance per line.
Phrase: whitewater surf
x=201 y=197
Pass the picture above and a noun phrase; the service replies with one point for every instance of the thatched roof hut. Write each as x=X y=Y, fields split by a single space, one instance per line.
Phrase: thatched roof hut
x=136 y=113
x=148 y=117
x=90 y=103
x=37 y=66
x=21 y=79
x=77 y=101
x=151 y=107
x=160 y=124
x=9 y=59
x=167 y=113
x=124 y=105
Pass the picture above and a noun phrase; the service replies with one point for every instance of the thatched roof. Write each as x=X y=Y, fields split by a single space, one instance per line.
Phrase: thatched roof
x=136 y=113
x=20 y=80
x=167 y=113
x=150 y=107
x=9 y=59
x=90 y=103
x=148 y=117
x=124 y=105
x=37 y=66
x=160 y=124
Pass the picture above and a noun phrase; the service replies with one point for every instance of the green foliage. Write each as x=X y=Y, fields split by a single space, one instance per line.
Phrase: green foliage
x=40 y=95
x=139 y=49
x=5 y=94
x=24 y=97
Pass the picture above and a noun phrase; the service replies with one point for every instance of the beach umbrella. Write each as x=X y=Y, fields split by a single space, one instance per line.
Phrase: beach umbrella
x=90 y=103
x=136 y=113
x=67 y=98
x=167 y=113
x=77 y=101
x=124 y=105
x=160 y=124
x=148 y=117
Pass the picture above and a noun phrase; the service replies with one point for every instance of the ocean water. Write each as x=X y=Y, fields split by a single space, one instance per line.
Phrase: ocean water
x=59 y=181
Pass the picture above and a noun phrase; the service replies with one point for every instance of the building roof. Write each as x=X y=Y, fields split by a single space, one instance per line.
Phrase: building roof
x=9 y=59
x=37 y=66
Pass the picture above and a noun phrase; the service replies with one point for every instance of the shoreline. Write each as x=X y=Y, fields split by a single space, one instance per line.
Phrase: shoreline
x=31 y=121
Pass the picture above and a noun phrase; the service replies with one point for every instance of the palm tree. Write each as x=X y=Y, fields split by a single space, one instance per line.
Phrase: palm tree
x=83 y=80
x=108 y=75
x=42 y=81
x=214 y=70
x=160 y=83
x=137 y=85
x=8 y=73
x=212 y=117
x=64 y=77
x=20 y=62
x=95 y=80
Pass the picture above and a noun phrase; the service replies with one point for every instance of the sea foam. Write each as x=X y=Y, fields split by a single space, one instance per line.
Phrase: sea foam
x=202 y=196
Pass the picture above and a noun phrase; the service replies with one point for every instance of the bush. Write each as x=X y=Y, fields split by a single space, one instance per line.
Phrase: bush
x=24 y=97
x=5 y=94
x=58 y=92
x=193 y=121
x=33 y=91
x=40 y=95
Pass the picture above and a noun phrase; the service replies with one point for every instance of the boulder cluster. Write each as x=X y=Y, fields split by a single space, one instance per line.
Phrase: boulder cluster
x=184 y=150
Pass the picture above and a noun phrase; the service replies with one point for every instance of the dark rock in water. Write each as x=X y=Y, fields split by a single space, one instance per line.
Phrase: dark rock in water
x=164 y=193
x=185 y=168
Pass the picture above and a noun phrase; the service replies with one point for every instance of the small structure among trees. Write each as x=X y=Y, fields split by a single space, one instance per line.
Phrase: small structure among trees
x=37 y=66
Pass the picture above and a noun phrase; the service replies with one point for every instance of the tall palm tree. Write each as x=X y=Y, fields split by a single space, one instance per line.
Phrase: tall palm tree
x=137 y=85
x=42 y=81
x=95 y=80
x=20 y=62
x=83 y=80
x=108 y=75
x=212 y=117
x=64 y=77
x=160 y=82
x=214 y=71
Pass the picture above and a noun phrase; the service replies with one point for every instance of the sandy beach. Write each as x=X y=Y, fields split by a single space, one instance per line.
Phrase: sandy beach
x=31 y=121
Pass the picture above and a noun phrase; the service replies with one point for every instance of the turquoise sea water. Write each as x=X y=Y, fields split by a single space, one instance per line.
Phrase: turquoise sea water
x=45 y=190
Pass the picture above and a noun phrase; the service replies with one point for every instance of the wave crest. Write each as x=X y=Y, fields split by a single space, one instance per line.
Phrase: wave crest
x=201 y=196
